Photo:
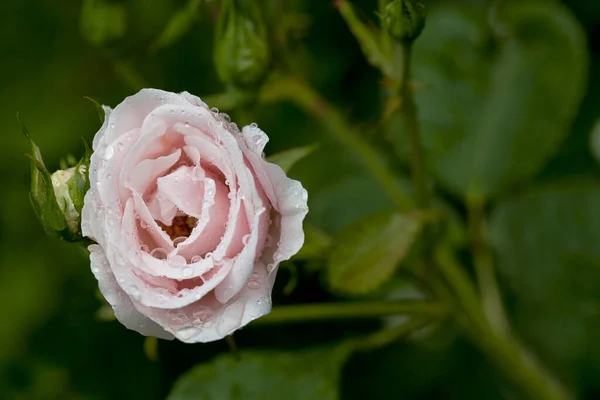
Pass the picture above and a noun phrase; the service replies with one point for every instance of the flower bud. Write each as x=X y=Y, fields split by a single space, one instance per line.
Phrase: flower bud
x=69 y=189
x=404 y=19
x=242 y=55
x=57 y=199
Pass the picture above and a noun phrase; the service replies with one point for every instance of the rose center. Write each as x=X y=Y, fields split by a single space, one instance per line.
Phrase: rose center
x=182 y=226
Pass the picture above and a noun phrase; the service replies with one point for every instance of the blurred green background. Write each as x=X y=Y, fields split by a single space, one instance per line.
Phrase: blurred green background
x=53 y=346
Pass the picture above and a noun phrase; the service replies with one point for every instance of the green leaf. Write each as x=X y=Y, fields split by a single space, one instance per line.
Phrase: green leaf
x=42 y=196
x=368 y=38
x=547 y=247
x=500 y=95
x=99 y=108
x=316 y=243
x=266 y=375
x=180 y=23
x=366 y=252
x=286 y=159
x=102 y=22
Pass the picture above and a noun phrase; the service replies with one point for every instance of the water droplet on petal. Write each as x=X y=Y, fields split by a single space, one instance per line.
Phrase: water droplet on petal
x=159 y=253
x=201 y=315
x=186 y=333
x=121 y=279
x=177 y=260
x=215 y=110
x=187 y=272
x=270 y=267
x=246 y=239
x=218 y=261
x=144 y=248
x=161 y=295
x=177 y=317
x=108 y=153
x=258 y=140
x=95 y=269
x=135 y=292
x=178 y=240
x=253 y=285
x=225 y=117
x=254 y=125
x=304 y=194
x=195 y=259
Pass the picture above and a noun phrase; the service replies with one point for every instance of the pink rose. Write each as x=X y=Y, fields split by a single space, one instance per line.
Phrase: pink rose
x=191 y=221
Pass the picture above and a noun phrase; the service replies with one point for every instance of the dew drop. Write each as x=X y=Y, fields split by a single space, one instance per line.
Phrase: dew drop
x=159 y=253
x=201 y=315
x=225 y=117
x=161 y=295
x=187 y=272
x=246 y=239
x=270 y=267
x=177 y=260
x=253 y=285
x=121 y=145
x=144 y=248
x=121 y=279
x=144 y=225
x=258 y=140
x=108 y=153
x=178 y=240
x=304 y=194
x=218 y=261
x=254 y=125
x=95 y=269
x=187 y=332
x=135 y=292
x=215 y=110
x=177 y=317
x=196 y=259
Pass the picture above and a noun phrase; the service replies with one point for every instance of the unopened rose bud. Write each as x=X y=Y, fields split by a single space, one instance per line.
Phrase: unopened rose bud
x=57 y=199
x=70 y=186
x=242 y=55
x=404 y=19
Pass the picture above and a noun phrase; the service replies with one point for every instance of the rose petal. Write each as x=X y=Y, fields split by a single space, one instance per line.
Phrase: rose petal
x=286 y=195
x=123 y=307
x=144 y=174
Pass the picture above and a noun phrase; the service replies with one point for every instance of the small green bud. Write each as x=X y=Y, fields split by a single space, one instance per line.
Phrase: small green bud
x=69 y=189
x=242 y=54
x=404 y=20
x=57 y=199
